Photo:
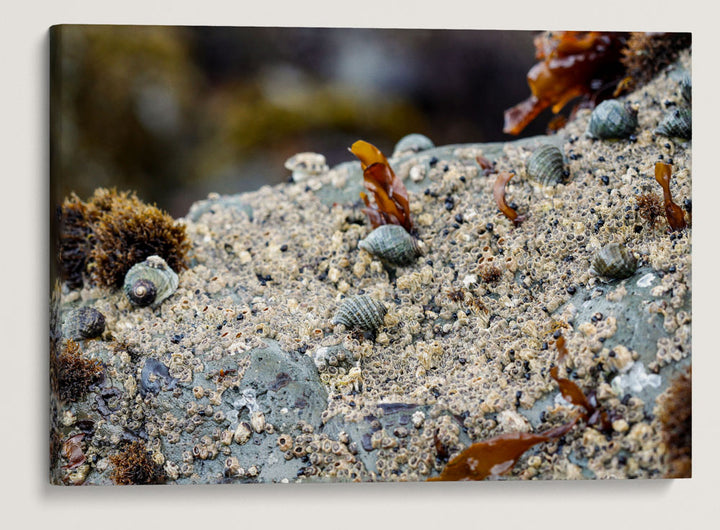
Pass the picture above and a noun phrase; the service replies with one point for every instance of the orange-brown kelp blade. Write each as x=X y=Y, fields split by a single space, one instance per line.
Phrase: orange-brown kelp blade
x=497 y=455
x=368 y=154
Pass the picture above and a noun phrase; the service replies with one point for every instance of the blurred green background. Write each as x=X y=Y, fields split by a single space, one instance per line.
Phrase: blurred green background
x=177 y=112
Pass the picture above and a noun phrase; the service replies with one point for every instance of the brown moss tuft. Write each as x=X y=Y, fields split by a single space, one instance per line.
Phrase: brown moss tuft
x=676 y=419
x=71 y=374
x=649 y=207
x=101 y=239
x=134 y=465
x=646 y=54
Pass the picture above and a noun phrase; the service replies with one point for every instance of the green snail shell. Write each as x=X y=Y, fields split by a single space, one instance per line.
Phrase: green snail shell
x=612 y=119
x=150 y=282
x=546 y=165
x=83 y=323
x=362 y=312
x=614 y=261
x=393 y=245
x=677 y=123
x=412 y=143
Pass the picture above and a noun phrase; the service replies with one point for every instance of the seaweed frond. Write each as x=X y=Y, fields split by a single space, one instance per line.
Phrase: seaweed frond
x=72 y=374
x=134 y=465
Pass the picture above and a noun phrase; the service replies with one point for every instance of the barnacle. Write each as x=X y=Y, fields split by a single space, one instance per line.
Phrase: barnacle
x=676 y=419
x=391 y=198
x=133 y=465
x=673 y=212
x=499 y=194
x=572 y=64
x=103 y=238
x=71 y=374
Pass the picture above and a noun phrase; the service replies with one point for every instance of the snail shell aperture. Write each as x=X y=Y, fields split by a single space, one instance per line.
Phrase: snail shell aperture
x=612 y=119
x=614 y=261
x=677 y=123
x=393 y=245
x=83 y=323
x=412 y=143
x=362 y=312
x=546 y=165
x=150 y=282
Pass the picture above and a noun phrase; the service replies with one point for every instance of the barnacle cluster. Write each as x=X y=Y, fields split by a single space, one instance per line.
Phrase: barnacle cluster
x=101 y=239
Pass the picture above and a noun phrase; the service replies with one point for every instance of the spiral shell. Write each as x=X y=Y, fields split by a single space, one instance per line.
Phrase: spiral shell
x=612 y=119
x=412 y=143
x=362 y=312
x=83 y=323
x=686 y=88
x=150 y=282
x=614 y=261
x=546 y=165
x=393 y=245
x=677 y=123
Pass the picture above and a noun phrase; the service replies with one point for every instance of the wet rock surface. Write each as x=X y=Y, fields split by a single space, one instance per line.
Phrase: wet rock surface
x=240 y=376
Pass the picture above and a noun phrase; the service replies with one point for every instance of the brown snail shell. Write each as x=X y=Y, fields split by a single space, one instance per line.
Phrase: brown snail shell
x=612 y=119
x=150 y=282
x=677 y=123
x=362 y=312
x=614 y=261
x=392 y=244
x=83 y=323
x=547 y=166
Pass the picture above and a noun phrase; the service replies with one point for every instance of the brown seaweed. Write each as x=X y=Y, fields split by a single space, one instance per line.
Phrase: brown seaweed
x=499 y=194
x=133 y=465
x=72 y=374
x=572 y=64
x=497 y=456
x=673 y=212
x=391 y=204
x=593 y=414
x=675 y=415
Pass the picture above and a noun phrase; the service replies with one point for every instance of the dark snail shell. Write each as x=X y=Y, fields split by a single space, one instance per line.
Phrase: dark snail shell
x=150 y=282
x=393 y=245
x=412 y=143
x=612 y=119
x=83 y=323
x=362 y=312
x=677 y=123
x=142 y=293
x=614 y=261
x=546 y=165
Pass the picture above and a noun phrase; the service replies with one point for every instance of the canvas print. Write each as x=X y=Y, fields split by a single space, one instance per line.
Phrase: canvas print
x=296 y=255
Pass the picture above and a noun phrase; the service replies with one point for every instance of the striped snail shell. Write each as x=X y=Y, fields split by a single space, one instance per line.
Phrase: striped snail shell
x=362 y=312
x=614 y=261
x=677 y=123
x=686 y=88
x=83 y=323
x=150 y=282
x=612 y=119
x=392 y=244
x=546 y=165
x=412 y=143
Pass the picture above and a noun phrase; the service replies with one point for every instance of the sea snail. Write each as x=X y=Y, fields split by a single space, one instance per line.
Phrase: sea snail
x=393 y=245
x=546 y=166
x=614 y=261
x=612 y=119
x=83 y=323
x=362 y=312
x=150 y=282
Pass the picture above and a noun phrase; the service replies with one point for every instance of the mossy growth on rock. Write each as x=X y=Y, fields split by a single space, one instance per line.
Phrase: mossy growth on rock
x=134 y=465
x=72 y=374
x=102 y=238
x=676 y=419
